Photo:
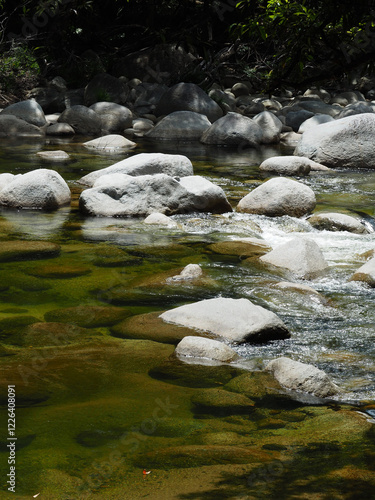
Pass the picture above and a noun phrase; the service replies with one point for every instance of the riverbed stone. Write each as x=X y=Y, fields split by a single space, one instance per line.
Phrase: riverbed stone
x=27 y=250
x=243 y=248
x=301 y=256
x=158 y=218
x=221 y=402
x=38 y=189
x=233 y=130
x=237 y=320
x=44 y=334
x=119 y=195
x=286 y=165
x=200 y=347
x=29 y=111
x=145 y=164
x=88 y=316
x=180 y=126
x=54 y=156
x=188 y=97
x=271 y=127
x=302 y=377
x=111 y=142
x=366 y=273
x=59 y=271
x=11 y=126
x=82 y=119
x=114 y=117
x=333 y=221
x=279 y=196
x=346 y=142
x=60 y=129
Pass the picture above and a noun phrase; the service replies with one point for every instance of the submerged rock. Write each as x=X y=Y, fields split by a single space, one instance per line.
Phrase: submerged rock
x=302 y=377
x=243 y=248
x=237 y=320
x=301 y=256
x=27 y=250
x=279 y=196
x=221 y=402
x=145 y=164
x=200 y=347
x=88 y=316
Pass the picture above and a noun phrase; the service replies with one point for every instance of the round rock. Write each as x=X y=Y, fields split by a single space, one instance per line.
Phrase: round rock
x=200 y=347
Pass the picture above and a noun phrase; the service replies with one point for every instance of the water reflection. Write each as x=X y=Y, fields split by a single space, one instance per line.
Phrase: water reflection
x=35 y=224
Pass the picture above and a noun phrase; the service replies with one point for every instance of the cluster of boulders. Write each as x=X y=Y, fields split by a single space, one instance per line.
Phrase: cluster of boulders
x=328 y=131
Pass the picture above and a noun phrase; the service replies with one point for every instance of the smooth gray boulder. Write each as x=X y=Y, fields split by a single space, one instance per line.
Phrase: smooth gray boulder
x=366 y=273
x=207 y=197
x=200 y=347
x=120 y=195
x=114 y=117
x=347 y=142
x=145 y=164
x=271 y=126
x=302 y=377
x=277 y=197
x=29 y=111
x=237 y=320
x=301 y=256
x=188 y=97
x=60 y=129
x=180 y=126
x=233 y=130
x=39 y=189
x=11 y=126
x=332 y=221
x=83 y=120
x=287 y=165
x=356 y=109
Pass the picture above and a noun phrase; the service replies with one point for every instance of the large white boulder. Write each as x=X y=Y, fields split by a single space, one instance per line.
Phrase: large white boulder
x=121 y=195
x=279 y=196
x=145 y=164
x=39 y=189
x=301 y=256
x=346 y=142
x=233 y=129
x=302 y=377
x=200 y=347
x=237 y=320
x=180 y=126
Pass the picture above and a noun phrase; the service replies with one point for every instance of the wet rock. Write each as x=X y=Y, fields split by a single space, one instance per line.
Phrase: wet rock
x=105 y=87
x=221 y=402
x=83 y=120
x=27 y=250
x=271 y=127
x=366 y=273
x=300 y=288
x=347 y=142
x=301 y=256
x=114 y=117
x=188 y=97
x=200 y=347
x=110 y=142
x=60 y=129
x=243 y=248
x=29 y=111
x=160 y=219
x=111 y=256
x=59 y=271
x=58 y=156
x=11 y=329
x=88 y=316
x=39 y=189
x=11 y=126
x=119 y=195
x=237 y=320
x=255 y=385
x=145 y=164
x=279 y=196
x=332 y=221
x=302 y=377
x=180 y=126
x=233 y=130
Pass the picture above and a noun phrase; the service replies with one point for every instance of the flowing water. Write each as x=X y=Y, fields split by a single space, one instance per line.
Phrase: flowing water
x=121 y=263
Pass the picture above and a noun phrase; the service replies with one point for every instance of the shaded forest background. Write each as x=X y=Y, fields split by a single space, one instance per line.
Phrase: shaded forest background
x=271 y=44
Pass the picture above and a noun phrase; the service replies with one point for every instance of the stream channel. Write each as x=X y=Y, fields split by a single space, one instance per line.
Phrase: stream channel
x=97 y=402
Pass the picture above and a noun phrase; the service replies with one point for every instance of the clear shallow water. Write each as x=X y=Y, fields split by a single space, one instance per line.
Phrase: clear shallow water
x=337 y=334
